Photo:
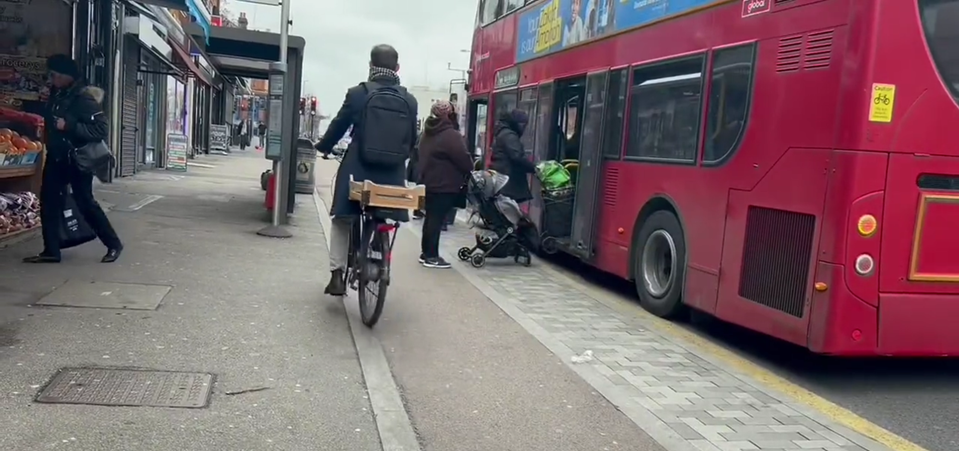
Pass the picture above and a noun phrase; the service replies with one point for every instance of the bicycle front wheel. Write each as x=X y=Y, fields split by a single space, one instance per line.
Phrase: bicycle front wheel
x=374 y=276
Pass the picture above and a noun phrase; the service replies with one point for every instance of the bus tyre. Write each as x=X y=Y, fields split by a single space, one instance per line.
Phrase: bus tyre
x=660 y=264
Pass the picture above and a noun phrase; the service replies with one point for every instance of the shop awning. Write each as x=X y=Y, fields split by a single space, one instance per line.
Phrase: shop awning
x=185 y=61
x=196 y=8
x=152 y=37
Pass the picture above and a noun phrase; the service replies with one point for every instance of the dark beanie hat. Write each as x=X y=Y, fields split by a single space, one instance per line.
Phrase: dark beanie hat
x=63 y=64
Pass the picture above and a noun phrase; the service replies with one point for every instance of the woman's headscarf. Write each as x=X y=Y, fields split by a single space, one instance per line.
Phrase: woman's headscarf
x=442 y=109
x=516 y=119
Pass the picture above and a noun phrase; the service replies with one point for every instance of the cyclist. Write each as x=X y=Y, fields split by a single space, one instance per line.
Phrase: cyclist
x=382 y=115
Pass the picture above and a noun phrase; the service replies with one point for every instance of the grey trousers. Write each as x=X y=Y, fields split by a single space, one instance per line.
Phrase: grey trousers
x=340 y=243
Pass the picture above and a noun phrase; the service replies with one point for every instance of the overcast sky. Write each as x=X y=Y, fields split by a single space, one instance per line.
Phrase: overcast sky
x=339 y=34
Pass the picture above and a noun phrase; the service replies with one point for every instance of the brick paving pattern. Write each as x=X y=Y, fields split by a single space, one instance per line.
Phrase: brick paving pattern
x=705 y=405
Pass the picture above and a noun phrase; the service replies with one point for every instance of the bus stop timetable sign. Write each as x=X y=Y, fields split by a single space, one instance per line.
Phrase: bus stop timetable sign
x=882 y=101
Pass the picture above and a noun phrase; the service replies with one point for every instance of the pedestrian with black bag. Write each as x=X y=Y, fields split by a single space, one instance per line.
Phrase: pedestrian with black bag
x=75 y=128
x=444 y=166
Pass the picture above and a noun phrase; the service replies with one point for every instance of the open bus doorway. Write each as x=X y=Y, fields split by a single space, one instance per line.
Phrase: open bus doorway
x=570 y=214
x=477 y=138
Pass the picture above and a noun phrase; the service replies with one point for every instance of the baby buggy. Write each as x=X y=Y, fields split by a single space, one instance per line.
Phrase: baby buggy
x=502 y=230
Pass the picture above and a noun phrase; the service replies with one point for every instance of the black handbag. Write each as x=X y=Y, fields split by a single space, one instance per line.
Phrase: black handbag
x=74 y=230
x=93 y=157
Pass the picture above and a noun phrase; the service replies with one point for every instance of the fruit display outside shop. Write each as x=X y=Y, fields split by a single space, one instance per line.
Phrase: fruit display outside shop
x=17 y=150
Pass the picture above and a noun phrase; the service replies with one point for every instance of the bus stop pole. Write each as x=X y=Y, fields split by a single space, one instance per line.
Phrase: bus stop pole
x=278 y=106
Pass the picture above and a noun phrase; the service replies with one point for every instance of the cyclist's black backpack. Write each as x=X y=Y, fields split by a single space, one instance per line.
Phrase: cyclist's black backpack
x=385 y=136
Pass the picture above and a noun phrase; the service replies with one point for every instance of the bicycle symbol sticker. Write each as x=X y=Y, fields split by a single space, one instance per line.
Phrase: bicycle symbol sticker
x=883 y=101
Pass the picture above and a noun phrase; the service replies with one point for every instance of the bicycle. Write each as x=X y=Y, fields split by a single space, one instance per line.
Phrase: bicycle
x=371 y=246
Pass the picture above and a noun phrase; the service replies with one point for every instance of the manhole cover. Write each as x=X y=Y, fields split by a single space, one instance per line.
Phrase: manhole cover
x=82 y=293
x=115 y=387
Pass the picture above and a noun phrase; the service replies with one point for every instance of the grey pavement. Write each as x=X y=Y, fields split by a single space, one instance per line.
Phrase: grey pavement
x=245 y=308
x=687 y=401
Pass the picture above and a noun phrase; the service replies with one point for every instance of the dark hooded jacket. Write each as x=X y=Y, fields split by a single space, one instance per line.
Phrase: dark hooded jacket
x=444 y=160
x=79 y=106
x=509 y=158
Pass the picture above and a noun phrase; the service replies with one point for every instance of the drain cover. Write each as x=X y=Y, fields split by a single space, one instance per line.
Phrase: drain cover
x=115 y=387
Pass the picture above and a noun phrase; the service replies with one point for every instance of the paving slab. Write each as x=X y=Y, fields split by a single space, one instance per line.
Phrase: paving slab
x=685 y=399
x=109 y=295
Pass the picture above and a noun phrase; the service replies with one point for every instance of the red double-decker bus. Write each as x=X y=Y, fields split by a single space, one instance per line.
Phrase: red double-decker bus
x=789 y=166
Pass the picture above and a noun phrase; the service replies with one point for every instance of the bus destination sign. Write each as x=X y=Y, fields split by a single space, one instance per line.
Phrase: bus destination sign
x=559 y=24
x=506 y=78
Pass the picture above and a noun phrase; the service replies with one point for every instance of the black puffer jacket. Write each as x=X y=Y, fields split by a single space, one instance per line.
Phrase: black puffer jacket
x=509 y=158
x=79 y=106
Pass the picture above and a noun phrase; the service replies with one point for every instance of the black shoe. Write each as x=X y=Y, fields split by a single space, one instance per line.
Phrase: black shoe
x=112 y=255
x=418 y=214
x=437 y=262
x=444 y=228
x=422 y=258
x=337 y=286
x=42 y=258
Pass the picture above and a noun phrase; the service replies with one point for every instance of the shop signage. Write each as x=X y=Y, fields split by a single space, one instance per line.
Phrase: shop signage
x=219 y=137
x=176 y=150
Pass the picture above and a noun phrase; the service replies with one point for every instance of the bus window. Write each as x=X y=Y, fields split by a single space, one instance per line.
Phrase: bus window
x=729 y=98
x=489 y=11
x=664 y=111
x=513 y=5
x=527 y=103
x=615 y=109
x=938 y=19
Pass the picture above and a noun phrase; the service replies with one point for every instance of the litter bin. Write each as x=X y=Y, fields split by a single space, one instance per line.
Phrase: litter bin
x=305 y=166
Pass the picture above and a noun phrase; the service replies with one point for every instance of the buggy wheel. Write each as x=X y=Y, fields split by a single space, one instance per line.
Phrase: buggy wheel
x=464 y=253
x=373 y=276
x=549 y=245
x=478 y=260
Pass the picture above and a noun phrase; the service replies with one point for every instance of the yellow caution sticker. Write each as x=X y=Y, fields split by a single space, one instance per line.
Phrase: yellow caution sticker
x=883 y=100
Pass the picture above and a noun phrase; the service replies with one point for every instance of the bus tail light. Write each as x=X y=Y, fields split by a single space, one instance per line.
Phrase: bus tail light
x=867 y=225
x=865 y=265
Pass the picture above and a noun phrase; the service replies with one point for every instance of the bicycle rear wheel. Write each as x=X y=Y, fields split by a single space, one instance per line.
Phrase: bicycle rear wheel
x=374 y=273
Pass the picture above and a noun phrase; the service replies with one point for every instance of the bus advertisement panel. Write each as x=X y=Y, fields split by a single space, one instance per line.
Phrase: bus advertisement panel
x=558 y=24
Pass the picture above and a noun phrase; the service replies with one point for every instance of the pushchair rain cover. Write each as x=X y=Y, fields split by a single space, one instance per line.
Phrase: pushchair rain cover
x=485 y=187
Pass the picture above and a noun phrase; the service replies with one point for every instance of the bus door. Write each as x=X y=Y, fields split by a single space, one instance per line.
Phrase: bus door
x=540 y=130
x=477 y=138
x=590 y=158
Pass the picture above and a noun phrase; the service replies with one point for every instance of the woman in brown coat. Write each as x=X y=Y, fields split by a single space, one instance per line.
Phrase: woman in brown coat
x=443 y=166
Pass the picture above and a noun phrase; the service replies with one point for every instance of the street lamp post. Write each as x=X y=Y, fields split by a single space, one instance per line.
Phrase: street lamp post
x=277 y=141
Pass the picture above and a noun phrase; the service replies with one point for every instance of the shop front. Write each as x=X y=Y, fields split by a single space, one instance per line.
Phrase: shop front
x=31 y=32
x=146 y=64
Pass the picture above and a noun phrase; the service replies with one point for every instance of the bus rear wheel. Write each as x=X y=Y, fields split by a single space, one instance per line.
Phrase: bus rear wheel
x=660 y=264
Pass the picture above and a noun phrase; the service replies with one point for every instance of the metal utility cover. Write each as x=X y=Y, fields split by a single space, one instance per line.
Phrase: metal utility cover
x=117 y=387
x=131 y=296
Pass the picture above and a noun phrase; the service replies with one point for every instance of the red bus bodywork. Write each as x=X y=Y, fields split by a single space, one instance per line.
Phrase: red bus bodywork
x=808 y=148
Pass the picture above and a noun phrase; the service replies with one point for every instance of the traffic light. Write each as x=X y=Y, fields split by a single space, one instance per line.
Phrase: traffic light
x=302 y=106
x=313 y=106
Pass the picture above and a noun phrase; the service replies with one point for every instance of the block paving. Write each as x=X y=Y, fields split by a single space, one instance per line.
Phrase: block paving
x=700 y=403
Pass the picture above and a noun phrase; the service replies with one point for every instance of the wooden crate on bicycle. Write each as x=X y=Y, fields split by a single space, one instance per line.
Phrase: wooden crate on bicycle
x=370 y=194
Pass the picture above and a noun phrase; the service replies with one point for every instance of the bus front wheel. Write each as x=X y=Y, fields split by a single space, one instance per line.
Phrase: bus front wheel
x=660 y=264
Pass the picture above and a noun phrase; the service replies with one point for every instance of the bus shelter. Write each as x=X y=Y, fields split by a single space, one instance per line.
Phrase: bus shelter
x=248 y=54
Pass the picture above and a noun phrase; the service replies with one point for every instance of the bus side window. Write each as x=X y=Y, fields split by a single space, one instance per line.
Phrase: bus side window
x=664 y=111
x=729 y=100
x=615 y=109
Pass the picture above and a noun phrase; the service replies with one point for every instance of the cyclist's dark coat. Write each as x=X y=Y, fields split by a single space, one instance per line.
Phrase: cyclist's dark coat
x=349 y=114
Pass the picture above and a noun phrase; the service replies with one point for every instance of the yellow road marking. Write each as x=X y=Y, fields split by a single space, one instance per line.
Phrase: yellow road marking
x=746 y=367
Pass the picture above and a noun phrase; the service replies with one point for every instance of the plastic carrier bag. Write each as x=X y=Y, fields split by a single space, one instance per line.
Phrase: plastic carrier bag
x=552 y=175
